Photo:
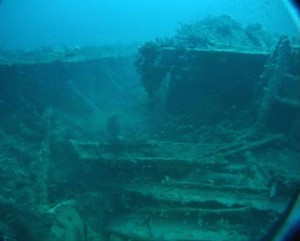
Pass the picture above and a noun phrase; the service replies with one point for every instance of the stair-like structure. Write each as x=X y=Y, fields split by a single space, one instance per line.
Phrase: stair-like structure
x=191 y=191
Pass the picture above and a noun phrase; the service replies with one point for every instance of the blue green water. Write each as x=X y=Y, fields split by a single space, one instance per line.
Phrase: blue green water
x=148 y=120
x=35 y=24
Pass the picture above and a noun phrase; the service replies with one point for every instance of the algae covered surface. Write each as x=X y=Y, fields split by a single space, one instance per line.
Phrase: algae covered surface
x=190 y=137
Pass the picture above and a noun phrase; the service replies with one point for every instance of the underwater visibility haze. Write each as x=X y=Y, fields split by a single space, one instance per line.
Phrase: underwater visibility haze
x=149 y=120
x=32 y=24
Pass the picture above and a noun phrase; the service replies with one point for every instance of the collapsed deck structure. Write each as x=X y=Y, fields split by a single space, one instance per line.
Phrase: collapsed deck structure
x=231 y=186
x=216 y=159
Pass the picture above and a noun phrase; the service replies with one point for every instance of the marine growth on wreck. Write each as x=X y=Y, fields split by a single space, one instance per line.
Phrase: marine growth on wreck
x=190 y=137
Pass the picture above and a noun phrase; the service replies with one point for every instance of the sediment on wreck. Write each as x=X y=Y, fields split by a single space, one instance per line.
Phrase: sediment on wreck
x=199 y=157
